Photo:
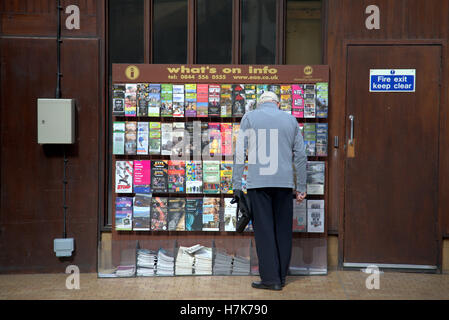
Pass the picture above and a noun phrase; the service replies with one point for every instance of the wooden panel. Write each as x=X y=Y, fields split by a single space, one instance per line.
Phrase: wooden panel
x=31 y=202
x=39 y=17
x=401 y=20
x=336 y=61
x=444 y=150
x=29 y=247
x=236 y=31
x=27 y=6
x=191 y=32
x=391 y=186
x=426 y=19
x=280 y=31
x=352 y=15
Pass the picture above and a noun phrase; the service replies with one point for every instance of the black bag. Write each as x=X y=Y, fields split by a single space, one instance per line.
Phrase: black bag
x=244 y=214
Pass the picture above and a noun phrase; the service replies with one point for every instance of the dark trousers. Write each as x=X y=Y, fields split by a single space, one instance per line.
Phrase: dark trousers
x=272 y=210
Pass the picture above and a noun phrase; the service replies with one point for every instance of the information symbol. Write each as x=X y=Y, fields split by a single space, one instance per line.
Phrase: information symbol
x=308 y=70
x=132 y=72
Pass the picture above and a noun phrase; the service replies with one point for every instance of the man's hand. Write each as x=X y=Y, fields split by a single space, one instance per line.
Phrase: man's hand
x=300 y=196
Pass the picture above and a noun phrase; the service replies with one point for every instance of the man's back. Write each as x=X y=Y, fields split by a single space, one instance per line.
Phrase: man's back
x=273 y=139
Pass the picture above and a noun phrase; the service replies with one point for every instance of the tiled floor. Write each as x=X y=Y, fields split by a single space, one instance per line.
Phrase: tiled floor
x=336 y=285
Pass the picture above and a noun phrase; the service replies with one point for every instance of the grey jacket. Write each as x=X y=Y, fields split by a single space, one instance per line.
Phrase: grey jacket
x=274 y=145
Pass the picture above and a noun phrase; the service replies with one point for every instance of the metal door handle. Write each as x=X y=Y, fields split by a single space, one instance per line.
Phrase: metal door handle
x=351 y=139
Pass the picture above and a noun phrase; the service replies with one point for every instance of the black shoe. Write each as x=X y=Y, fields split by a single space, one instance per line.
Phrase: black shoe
x=260 y=285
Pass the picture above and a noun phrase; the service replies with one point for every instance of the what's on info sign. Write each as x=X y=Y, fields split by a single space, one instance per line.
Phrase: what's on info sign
x=392 y=80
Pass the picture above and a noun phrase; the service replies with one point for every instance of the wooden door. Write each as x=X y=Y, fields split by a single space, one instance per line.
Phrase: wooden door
x=391 y=183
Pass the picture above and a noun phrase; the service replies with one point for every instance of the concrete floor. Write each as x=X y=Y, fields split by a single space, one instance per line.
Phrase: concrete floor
x=336 y=285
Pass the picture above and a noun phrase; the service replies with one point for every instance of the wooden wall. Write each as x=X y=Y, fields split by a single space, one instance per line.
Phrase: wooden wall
x=31 y=213
x=31 y=175
x=401 y=22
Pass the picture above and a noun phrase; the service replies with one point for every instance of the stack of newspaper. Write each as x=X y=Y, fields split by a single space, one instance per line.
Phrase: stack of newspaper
x=203 y=261
x=222 y=263
x=184 y=262
x=194 y=248
x=125 y=271
x=241 y=266
x=146 y=263
x=165 y=263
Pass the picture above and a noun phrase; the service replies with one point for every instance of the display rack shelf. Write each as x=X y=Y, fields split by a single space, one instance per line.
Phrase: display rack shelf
x=309 y=254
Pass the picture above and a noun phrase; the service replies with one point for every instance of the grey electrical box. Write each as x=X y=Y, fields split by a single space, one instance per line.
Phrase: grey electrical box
x=64 y=247
x=55 y=121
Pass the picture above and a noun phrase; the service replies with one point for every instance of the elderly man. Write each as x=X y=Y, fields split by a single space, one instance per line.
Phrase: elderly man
x=272 y=140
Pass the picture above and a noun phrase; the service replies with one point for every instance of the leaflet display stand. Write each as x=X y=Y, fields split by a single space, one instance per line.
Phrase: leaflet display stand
x=309 y=254
x=232 y=256
x=148 y=253
x=117 y=260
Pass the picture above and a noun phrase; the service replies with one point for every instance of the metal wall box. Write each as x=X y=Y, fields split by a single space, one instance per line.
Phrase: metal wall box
x=55 y=121
x=64 y=247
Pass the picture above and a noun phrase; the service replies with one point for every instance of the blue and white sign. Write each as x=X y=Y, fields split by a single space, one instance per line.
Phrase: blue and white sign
x=392 y=80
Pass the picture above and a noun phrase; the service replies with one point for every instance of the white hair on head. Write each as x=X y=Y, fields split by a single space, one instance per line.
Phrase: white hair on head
x=268 y=97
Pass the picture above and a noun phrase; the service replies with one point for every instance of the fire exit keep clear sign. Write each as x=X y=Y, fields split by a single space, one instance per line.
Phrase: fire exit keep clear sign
x=392 y=80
